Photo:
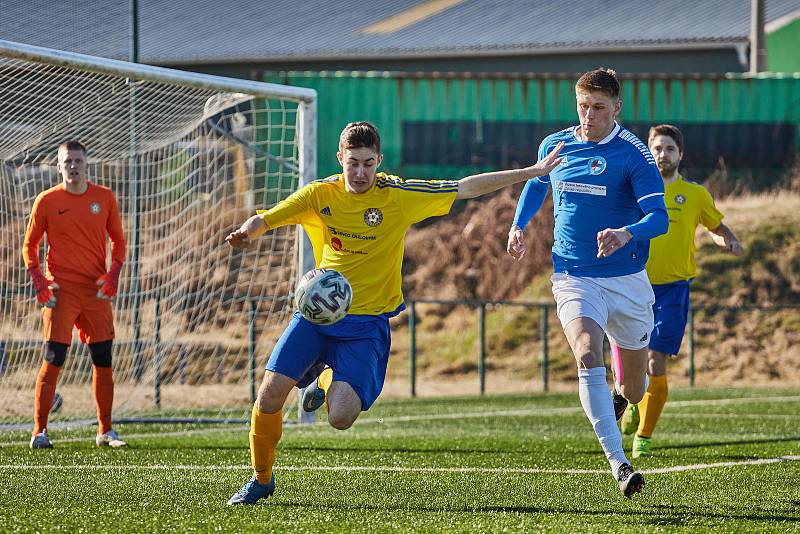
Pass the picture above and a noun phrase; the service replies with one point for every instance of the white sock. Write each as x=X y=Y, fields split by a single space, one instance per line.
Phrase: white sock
x=646 y=382
x=599 y=408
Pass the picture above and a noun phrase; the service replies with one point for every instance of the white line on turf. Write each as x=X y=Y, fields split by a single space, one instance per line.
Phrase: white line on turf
x=395 y=469
x=149 y=435
x=522 y=412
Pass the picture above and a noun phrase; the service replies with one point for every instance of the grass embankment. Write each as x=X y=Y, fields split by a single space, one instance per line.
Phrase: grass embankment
x=742 y=333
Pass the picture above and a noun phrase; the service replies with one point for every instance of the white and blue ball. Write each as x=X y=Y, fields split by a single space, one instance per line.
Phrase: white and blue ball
x=323 y=296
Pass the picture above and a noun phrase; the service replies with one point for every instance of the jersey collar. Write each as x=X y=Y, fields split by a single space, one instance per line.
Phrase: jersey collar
x=614 y=131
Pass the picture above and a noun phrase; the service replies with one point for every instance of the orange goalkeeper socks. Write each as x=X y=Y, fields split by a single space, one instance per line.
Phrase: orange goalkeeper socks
x=44 y=393
x=103 y=388
x=651 y=405
x=265 y=433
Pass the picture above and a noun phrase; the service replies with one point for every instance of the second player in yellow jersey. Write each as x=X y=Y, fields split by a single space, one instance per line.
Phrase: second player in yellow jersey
x=671 y=268
x=672 y=254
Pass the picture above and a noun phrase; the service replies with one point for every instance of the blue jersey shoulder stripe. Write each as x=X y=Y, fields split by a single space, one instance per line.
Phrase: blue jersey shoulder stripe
x=635 y=141
x=650 y=195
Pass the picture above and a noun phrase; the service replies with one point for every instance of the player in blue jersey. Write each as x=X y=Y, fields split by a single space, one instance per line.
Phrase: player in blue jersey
x=608 y=202
x=356 y=221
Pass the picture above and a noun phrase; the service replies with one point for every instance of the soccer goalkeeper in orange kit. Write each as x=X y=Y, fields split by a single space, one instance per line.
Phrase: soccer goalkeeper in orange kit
x=76 y=215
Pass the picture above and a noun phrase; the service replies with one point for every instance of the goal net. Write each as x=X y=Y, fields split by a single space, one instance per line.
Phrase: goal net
x=189 y=157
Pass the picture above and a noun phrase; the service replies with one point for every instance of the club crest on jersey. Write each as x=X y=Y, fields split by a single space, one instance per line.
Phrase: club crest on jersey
x=680 y=199
x=597 y=165
x=94 y=207
x=373 y=217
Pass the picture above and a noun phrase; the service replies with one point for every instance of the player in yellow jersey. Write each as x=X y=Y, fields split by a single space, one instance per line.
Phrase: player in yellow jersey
x=671 y=268
x=357 y=221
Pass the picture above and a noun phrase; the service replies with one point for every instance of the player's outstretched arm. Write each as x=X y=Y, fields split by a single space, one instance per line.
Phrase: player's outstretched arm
x=480 y=184
x=252 y=229
x=725 y=238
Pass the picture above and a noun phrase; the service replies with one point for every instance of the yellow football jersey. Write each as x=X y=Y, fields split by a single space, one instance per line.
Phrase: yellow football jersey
x=362 y=235
x=672 y=254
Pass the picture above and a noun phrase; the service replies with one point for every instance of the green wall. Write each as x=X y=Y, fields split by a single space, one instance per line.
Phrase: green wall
x=783 y=48
x=391 y=100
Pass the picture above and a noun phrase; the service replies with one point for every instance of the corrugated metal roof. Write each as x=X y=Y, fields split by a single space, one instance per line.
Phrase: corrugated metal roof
x=211 y=31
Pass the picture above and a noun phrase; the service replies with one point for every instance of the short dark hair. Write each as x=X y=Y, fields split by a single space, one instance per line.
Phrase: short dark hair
x=668 y=130
x=72 y=145
x=360 y=134
x=603 y=80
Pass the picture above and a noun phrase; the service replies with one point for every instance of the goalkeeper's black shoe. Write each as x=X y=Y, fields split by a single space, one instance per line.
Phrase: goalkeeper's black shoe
x=630 y=481
x=620 y=403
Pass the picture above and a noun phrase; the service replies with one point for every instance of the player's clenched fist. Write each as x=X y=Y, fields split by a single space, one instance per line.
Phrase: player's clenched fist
x=516 y=245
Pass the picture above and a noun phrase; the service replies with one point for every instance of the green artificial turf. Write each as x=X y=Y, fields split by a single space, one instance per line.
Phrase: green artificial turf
x=493 y=464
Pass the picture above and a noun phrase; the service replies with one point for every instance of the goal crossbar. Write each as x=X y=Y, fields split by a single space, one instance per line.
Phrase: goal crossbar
x=157 y=74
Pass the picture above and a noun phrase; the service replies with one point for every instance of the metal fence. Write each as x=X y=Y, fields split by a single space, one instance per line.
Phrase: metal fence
x=544 y=356
x=163 y=348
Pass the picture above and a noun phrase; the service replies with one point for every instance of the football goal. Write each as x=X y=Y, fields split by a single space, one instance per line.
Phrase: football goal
x=189 y=157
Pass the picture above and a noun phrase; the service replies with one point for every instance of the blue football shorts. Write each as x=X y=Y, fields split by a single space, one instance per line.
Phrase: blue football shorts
x=356 y=348
x=670 y=312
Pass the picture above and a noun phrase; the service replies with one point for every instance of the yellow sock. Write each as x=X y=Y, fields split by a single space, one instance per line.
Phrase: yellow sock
x=325 y=379
x=651 y=405
x=265 y=433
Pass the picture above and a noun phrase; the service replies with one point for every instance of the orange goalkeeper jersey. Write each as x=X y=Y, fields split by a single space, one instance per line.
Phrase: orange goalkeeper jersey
x=76 y=228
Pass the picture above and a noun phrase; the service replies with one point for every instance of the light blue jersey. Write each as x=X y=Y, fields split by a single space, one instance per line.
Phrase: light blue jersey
x=613 y=183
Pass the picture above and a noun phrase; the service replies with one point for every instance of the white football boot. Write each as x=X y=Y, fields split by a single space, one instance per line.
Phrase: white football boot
x=109 y=439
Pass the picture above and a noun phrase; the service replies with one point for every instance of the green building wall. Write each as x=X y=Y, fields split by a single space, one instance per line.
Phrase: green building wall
x=424 y=116
x=783 y=48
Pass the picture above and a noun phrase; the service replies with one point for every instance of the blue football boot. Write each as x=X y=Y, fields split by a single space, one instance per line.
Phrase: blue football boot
x=252 y=491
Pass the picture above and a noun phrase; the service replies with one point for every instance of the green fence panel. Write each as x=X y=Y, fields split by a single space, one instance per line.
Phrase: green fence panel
x=421 y=115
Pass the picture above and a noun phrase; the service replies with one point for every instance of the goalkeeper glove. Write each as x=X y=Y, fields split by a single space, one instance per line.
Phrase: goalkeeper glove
x=43 y=288
x=108 y=282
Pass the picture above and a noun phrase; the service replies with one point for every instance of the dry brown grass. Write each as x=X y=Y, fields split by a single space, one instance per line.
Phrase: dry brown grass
x=747 y=212
x=733 y=347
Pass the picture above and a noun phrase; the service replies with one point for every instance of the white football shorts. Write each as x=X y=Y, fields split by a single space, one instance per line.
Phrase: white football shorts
x=621 y=305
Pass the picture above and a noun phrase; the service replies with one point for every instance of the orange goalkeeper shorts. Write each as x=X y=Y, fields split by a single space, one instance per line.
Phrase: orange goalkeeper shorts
x=77 y=305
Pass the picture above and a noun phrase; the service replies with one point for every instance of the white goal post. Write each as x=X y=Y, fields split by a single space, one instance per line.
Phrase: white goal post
x=189 y=156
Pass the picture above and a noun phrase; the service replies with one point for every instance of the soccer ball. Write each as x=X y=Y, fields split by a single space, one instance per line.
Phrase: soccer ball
x=323 y=296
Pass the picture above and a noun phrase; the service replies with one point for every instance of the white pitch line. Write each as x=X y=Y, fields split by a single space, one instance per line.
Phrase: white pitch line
x=722 y=402
x=391 y=469
x=713 y=415
x=695 y=467
x=522 y=412
x=173 y=433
